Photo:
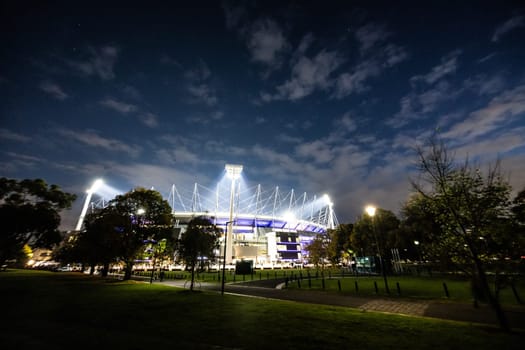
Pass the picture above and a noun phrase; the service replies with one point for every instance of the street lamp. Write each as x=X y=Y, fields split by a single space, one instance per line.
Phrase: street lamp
x=371 y=211
x=418 y=251
x=233 y=172
x=90 y=191
x=224 y=260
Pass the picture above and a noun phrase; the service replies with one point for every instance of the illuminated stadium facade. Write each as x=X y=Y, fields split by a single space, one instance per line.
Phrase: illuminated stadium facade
x=264 y=226
x=267 y=227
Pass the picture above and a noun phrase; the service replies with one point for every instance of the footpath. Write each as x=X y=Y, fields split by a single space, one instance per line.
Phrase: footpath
x=448 y=310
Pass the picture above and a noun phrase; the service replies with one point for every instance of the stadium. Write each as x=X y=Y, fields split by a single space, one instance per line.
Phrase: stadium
x=268 y=227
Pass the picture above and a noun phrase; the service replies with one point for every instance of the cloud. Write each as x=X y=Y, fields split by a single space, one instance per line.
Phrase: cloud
x=483 y=84
x=149 y=119
x=448 y=65
x=266 y=42
x=369 y=35
x=98 y=61
x=504 y=28
x=118 y=106
x=205 y=119
x=53 y=89
x=167 y=60
x=202 y=93
x=198 y=86
x=92 y=139
x=8 y=135
x=307 y=76
x=347 y=122
x=429 y=91
x=500 y=111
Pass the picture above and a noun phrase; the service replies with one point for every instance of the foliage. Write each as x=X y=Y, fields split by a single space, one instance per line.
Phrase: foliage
x=378 y=234
x=197 y=243
x=29 y=212
x=339 y=244
x=318 y=250
x=472 y=211
x=120 y=231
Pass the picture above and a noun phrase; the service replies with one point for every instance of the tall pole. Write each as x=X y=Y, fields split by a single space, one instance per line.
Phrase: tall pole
x=90 y=192
x=233 y=172
x=371 y=212
x=224 y=260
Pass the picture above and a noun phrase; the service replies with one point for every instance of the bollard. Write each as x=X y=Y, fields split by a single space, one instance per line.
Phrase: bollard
x=309 y=282
x=286 y=282
x=375 y=287
x=515 y=292
x=299 y=283
x=446 y=290
x=322 y=282
x=398 y=288
x=260 y=276
x=339 y=284
x=356 y=287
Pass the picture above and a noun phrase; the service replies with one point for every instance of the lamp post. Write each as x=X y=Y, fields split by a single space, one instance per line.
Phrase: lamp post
x=371 y=211
x=233 y=172
x=90 y=192
x=224 y=259
x=418 y=251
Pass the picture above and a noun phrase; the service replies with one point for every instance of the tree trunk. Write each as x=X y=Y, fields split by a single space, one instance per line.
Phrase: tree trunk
x=493 y=301
x=92 y=269
x=105 y=269
x=192 y=276
x=127 y=270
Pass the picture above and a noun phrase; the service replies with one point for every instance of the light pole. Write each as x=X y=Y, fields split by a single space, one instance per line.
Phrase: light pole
x=90 y=192
x=224 y=259
x=233 y=172
x=371 y=211
x=418 y=251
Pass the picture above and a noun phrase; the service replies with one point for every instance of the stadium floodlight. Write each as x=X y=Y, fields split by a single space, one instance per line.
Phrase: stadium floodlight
x=96 y=185
x=234 y=172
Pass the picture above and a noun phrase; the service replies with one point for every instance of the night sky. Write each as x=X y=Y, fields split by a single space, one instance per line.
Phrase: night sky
x=318 y=96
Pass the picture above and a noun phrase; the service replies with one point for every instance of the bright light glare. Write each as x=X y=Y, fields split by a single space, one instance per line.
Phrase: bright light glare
x=326 y=198
x=289 y=216
x=96 y=185
x=370 y=210
x=233 y=171
x=140 y=211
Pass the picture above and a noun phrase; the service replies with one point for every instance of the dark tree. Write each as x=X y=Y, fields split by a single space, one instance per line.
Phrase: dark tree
x=318 y=250
x=472 y=211
x=375 y=235
x=137 y=217
x=198 y=242
x=30 y=214
x=339 y=245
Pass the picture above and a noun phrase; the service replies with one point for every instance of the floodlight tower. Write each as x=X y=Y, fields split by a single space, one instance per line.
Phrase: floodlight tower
x=330 y=222
x=233 y=172
x=90 y=192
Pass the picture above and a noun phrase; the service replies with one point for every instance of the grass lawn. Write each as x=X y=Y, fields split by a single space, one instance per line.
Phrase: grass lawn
x=409 y=286
x=45 y=310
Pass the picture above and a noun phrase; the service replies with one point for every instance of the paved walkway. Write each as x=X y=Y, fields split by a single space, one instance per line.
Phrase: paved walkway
x=449 y=310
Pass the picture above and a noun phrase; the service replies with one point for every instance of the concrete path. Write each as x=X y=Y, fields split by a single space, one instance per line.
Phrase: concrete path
x=448 y=310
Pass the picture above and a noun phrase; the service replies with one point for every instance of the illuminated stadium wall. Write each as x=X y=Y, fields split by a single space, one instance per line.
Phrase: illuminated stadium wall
x=268 y=226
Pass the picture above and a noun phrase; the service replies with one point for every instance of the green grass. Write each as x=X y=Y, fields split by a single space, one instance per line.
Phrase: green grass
x=409 y=286
x=70 y=310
